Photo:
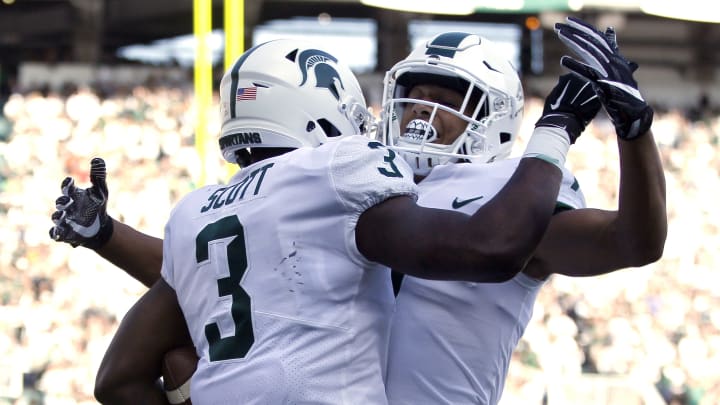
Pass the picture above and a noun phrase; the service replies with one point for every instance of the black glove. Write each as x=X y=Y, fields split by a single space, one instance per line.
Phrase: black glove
x=610 y=73
x=571 y=105
x=81 y=218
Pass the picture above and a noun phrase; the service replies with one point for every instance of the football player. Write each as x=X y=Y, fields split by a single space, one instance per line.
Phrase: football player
x=280 y=279
x=467 y=331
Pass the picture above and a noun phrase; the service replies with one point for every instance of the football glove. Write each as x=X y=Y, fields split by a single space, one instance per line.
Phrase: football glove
x=571 y=105
x=81 y=218
x=609 y=72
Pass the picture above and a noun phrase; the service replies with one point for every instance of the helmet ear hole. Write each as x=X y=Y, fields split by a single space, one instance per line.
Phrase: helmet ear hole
x=329 y=129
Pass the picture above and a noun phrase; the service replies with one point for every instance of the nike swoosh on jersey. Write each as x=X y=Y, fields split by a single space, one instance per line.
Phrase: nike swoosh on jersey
x=86 y=231
x=556 y=104
x=461 y=203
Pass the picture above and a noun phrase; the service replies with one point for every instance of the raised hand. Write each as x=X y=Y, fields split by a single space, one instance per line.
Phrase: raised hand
x=610 y=73
x=571 y=105
x=81 y=218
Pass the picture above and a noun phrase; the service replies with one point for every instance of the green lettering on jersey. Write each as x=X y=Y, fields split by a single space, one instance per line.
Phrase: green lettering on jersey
x=389 y=159
x=237 y=345
x=216 y=201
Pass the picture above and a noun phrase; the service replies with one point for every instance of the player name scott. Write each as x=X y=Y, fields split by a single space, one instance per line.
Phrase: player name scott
x=236 y=192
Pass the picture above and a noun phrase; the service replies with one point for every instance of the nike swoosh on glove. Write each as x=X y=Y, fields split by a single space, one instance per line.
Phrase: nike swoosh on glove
x=571 y=105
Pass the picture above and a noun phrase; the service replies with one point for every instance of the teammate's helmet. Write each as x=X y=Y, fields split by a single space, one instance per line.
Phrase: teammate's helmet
x=288 y=94
x=473 y=66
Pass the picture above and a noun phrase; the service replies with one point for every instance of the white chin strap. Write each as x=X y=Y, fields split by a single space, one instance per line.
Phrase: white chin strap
x=418 y=135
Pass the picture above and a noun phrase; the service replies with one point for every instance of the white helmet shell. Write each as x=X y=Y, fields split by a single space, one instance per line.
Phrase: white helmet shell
x=473 y=66
x=288 y=94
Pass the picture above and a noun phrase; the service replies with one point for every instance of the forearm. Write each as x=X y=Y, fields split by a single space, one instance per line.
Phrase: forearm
x=589 y=242
x=138 y=254
x=642 y=214
x=515 y=220
x=492 y=245
x=132 y=363
x=528 y=201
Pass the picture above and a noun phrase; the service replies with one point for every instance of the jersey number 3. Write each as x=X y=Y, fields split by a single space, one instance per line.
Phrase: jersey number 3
x=389 y=159
x=236 y=346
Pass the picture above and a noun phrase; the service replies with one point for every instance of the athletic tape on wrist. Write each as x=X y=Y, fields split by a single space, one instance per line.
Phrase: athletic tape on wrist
x=549 y=144
x=179 y=394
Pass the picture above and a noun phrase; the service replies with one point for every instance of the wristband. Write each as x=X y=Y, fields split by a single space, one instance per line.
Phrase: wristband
x=550 y=144
x=179 y=394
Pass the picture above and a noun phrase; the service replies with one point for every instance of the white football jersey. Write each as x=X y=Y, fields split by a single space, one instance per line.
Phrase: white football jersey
x=281 y=306
x=451 y=341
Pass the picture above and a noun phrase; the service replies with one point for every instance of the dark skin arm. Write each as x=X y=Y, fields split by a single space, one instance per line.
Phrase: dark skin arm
x=130 y=370
x=501 y=236
x=439 y=244
x=589 y=242
x=140 y=255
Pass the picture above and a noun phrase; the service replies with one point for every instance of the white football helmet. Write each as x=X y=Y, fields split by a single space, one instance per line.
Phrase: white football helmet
x=288 y=94
x=471 y=65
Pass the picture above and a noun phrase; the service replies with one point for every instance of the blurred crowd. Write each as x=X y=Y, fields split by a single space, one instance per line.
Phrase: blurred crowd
x=659 y=325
